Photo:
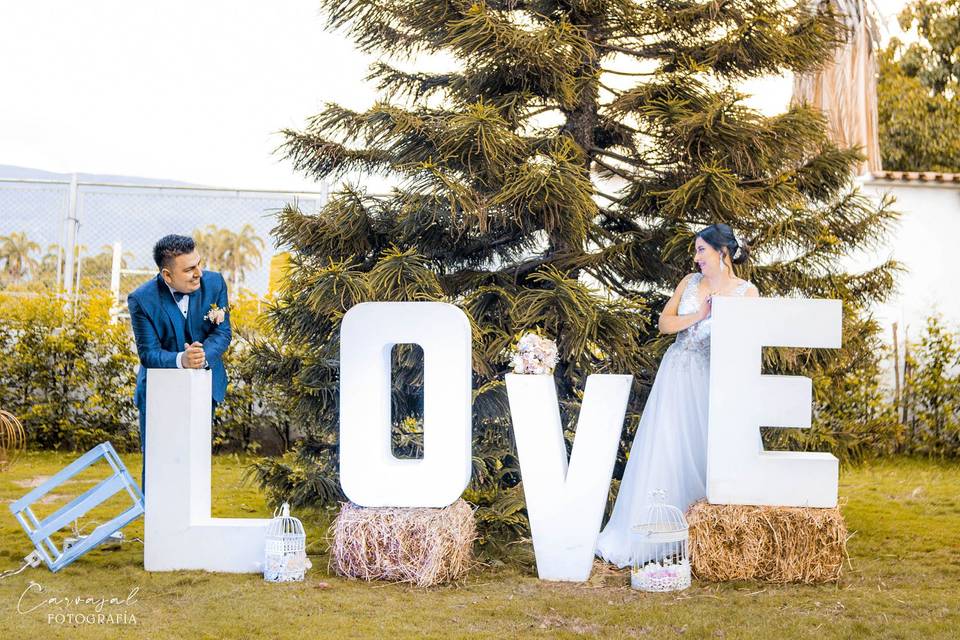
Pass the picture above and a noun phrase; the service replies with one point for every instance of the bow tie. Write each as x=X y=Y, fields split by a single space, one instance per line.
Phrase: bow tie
x=177 y=296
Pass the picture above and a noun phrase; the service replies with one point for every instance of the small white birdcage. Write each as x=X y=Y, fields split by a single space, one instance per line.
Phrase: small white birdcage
x=659 y=548
x=285 y=551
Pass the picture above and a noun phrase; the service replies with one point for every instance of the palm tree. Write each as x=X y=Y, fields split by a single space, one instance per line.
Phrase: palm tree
x=232 y=253
x=48 y=264
x=210 y=245
x=15 y=251
x=242 y=252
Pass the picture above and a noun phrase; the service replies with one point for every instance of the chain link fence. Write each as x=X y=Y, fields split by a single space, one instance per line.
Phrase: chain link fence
x=68 y=238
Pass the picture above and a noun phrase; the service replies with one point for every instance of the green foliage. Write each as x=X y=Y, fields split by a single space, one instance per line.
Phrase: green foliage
x=934 y=59
x=250 y=412
x=919 y=113
x=70 y=378
x=554 y=181
x=237 y=417
x=68 y=374
x=931 y=393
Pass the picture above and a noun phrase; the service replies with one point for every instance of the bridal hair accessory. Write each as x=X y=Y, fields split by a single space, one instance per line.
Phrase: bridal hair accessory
x=216 y=315
x=736 y=254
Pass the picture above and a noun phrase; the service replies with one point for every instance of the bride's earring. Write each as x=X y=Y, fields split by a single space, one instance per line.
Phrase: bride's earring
x=723 y=264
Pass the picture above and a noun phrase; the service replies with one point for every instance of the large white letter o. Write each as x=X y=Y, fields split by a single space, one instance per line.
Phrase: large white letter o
x=371 y=476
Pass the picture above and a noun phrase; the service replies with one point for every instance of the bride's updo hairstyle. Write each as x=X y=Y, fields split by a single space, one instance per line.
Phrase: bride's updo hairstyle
x=721 y=235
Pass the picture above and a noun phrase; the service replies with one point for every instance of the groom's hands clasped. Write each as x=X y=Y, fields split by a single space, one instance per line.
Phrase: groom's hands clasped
x=193 y=356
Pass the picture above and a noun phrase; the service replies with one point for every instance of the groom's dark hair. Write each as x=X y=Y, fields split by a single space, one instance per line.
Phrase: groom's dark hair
x=169 y=247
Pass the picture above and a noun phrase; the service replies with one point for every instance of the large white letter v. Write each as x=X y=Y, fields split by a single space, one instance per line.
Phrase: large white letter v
x=565 y=502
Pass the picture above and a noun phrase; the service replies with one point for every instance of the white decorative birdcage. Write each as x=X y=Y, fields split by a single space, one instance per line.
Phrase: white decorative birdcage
x=285 y=551
x=659 y=548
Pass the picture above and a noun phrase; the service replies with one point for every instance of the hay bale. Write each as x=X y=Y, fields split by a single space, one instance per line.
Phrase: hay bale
x=772 y=544
x=421 y=546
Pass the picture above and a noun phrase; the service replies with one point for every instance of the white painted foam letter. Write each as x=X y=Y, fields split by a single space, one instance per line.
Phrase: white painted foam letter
x=565 y=503
x=742 y=400
x=178 y=530
x=370 y=474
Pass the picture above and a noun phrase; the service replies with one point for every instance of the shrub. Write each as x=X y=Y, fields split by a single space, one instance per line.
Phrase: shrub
x=253 y=412
x=67 y=372
x=930 y=402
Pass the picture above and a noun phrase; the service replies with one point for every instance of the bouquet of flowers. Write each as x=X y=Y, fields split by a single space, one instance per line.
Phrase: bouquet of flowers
x=534 y=354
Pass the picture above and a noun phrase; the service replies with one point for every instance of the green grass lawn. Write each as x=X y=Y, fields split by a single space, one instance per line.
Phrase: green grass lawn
x=903 y=581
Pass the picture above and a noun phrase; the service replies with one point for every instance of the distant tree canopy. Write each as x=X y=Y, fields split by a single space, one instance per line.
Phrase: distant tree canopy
x=232 y=253
x=918 y=102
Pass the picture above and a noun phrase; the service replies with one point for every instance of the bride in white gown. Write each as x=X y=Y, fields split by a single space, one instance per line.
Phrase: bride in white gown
x=670 y=446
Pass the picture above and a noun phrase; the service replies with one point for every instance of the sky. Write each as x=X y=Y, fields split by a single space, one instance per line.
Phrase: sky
x=187 y=90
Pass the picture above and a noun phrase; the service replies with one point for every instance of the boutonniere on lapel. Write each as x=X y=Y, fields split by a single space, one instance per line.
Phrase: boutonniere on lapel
x=216 y=315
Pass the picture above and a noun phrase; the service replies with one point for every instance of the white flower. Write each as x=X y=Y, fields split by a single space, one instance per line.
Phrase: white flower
x=216 y=315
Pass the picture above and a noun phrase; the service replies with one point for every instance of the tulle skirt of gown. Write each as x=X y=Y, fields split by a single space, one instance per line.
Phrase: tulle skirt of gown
x=668 y=450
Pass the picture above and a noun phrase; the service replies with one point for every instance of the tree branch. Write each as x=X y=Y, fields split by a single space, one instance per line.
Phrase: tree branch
x=613 y=170
x=622 y=158
x=652 y=51
x=607 y=196
x=542 y=110
x=627 y=73
x=616 y=92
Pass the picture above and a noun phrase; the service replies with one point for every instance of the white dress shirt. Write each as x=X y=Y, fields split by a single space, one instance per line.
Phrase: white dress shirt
x=184 y=305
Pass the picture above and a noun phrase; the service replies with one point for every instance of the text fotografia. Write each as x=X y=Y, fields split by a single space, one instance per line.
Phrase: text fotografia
x=78 y=609
x=91 y=618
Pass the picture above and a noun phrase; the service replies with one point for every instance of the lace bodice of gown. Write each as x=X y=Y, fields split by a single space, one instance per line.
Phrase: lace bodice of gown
x=696 y=337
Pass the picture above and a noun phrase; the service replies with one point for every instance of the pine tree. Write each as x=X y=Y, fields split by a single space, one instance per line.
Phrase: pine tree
x=553 y=181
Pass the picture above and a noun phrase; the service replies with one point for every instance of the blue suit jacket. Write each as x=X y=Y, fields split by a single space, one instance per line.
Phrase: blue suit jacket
x=158 y=327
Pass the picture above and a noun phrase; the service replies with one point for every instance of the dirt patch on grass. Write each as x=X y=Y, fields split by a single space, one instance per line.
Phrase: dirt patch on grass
x=573 y=625
x=31 y=483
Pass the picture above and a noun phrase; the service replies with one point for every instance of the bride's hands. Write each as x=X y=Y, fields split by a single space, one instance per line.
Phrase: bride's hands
x=705 y=309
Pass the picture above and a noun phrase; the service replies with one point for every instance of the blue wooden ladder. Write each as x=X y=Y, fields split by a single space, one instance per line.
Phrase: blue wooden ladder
x=40 y=531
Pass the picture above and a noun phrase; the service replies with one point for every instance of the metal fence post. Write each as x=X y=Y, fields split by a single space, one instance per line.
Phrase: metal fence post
x=71 y=248
x=115 y=281
x=60 y=242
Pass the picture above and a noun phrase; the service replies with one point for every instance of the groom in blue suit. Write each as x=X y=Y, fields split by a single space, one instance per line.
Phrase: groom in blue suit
x=176 y=324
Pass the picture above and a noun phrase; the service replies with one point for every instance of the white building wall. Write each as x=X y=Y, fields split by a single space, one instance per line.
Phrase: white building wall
x=926 y=240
